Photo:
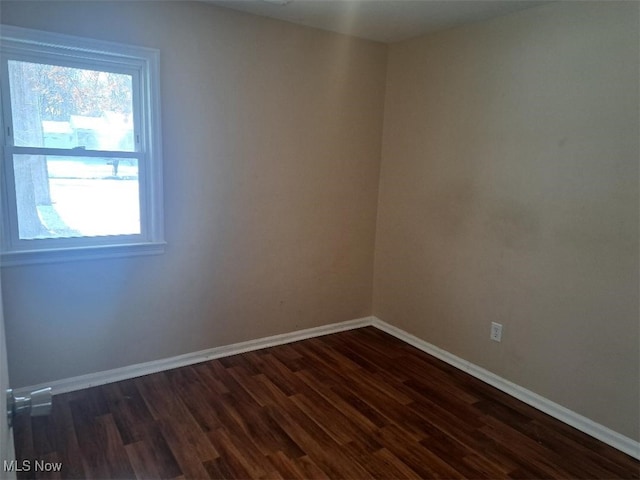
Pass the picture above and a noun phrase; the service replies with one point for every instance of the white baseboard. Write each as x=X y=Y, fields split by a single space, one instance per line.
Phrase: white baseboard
x=146 y=368
x=596 y=430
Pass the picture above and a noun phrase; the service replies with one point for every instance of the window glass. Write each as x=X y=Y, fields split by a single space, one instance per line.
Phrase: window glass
x=62 y=107
x=65 y=197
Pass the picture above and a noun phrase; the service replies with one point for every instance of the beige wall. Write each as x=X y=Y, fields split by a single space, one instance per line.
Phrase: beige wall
x=509 y=193
x=271 y=137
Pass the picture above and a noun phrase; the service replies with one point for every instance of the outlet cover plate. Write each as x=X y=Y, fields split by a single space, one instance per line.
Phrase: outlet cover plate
x=496 y=332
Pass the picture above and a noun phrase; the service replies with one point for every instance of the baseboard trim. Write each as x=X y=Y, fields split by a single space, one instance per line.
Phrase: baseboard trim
x=596 y=430
x=582 y=423
x=146 y=368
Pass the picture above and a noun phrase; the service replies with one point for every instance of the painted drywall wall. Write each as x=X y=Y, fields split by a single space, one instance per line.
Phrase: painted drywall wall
x=509 y=193
x=271 y=138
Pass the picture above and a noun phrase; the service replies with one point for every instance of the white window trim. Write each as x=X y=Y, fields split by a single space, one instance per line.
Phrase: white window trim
x=96 y=53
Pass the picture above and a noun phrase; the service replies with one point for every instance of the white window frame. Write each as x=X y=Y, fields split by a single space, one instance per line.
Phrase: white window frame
x=143 y=65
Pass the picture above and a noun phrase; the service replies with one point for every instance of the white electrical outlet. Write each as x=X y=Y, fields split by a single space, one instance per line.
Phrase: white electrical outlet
x=496 y=332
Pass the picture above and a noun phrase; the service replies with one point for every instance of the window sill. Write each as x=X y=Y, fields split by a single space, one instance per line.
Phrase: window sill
x=31 y=257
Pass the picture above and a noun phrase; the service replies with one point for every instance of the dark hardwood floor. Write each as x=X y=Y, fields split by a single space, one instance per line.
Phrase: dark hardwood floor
x=357 y=404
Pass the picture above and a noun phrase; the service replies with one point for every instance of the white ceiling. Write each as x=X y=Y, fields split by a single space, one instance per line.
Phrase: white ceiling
x=380 y=20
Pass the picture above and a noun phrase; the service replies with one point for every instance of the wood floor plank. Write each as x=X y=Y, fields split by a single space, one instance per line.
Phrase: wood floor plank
x=380 y=463
x=247 y=448
x=342 y=393
x=485 y=468
x=209 y=379
x=66 y=441
x=216 y=469
x=187 y=457
x=324 y=390
x=574 y=450
x=240 y=462
x=391 y=463
x=23 y=438
x=357 y=404
x=115 y=453
x=319 y=447
x=159 y=396
x=337 y=426
x=164 y=458
x=279 y=374
x=91 y=437
x=129 y=410
x=195 y=396
x=178 y=426
x=418 y=459
x=310 y=470
x=547 y=461
x=292 y=364
x=142 y=460
x=43 y=429
x=285 y=466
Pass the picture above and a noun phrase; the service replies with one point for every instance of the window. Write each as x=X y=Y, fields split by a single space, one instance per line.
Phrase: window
x=81 y=160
